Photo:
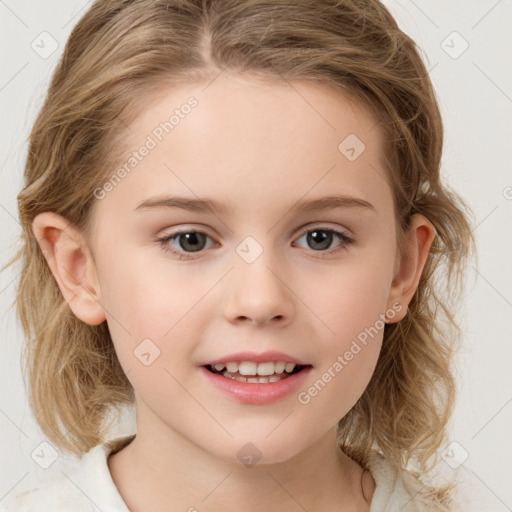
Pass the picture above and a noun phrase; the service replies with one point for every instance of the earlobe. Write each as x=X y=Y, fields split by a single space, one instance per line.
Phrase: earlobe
x=71 y=263
x=410 y=265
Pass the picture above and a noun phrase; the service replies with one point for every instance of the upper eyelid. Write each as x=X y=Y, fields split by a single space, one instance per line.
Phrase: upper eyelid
x=325 y=226
x=308 y=227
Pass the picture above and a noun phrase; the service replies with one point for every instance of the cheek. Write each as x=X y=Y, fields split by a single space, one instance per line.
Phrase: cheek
x=152 y=302
x=351 y=296
x=353 y=325
x=350 y=301
x=147 y=298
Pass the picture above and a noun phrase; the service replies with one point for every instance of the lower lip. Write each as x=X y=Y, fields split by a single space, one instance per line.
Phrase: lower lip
x=251 y=393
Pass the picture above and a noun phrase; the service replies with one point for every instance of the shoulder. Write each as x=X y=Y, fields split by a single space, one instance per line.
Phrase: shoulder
x=82 y=488
x=57 y=494
x=394 y=490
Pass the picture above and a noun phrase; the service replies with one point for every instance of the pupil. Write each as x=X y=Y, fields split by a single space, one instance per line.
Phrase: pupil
x=320 y=237
x=191 y=238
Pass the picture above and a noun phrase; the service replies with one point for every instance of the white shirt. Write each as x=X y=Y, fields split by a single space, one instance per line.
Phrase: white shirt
x=88 y=487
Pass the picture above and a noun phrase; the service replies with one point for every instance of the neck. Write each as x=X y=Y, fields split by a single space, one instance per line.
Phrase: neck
x=161 y=470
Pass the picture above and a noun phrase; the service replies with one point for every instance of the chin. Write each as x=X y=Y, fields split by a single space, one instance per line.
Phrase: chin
x=250 y=454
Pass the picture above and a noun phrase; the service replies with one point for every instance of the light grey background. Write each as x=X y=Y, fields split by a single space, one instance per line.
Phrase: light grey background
x=475 y=94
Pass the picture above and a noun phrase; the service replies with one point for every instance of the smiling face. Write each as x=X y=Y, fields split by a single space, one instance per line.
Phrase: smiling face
x=257 y=270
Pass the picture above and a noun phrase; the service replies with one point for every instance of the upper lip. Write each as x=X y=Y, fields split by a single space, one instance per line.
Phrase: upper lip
x=262 y=357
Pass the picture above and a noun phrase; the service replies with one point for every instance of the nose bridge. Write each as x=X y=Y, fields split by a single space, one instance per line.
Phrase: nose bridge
x=257 y=287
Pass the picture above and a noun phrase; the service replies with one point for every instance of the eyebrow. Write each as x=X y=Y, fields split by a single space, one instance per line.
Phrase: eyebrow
x=202 y=205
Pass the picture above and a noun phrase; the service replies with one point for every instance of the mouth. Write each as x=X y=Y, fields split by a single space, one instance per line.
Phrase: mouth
x=256 y=373
x=256 y=383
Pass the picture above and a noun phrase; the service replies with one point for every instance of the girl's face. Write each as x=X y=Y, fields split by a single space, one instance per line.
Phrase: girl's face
x=256 y=273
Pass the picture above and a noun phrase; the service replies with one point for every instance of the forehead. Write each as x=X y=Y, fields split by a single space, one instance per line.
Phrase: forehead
x=237 y=137
x=301 y=107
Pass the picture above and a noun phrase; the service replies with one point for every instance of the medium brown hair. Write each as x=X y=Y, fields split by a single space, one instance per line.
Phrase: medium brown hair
x=121 y=51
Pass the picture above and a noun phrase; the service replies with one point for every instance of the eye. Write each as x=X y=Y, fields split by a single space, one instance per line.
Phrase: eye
x=189 y=242
x=321 y=238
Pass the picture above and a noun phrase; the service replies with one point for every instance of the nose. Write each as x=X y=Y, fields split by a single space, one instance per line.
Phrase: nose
x=258 y=293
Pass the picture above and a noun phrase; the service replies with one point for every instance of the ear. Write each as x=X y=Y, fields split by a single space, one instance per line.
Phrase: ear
x=71 y=263
x=409 y=266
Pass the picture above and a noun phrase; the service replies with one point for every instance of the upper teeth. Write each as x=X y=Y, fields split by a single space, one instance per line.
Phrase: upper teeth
x=252 y=368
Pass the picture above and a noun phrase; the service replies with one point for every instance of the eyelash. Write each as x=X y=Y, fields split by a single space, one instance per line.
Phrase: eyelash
x=163 y=241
